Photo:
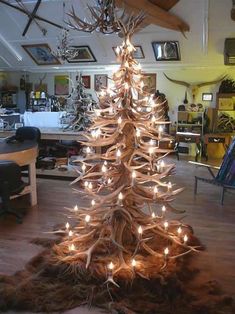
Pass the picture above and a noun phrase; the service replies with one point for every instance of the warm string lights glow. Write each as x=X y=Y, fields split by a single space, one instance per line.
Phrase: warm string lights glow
x=127 y=173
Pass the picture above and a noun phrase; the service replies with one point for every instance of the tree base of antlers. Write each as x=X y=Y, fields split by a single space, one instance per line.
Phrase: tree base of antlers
x=47 y=284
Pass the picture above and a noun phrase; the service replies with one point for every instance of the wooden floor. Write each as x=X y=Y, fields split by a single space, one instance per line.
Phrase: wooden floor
x=213 y=224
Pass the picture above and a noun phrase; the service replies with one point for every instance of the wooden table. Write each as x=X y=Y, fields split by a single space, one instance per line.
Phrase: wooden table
x=188 y=137
x=24 y=154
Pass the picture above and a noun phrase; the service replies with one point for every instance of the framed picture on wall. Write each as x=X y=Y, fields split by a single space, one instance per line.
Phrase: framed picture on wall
x=86 y=80
x=150 y=82
x=83 y=54
x=207 y=96
x=100 y=81
x=41 y=54
x=61 y=83
x=166 y=50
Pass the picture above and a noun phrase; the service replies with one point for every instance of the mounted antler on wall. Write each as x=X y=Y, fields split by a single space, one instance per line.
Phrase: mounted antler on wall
x=195 y=87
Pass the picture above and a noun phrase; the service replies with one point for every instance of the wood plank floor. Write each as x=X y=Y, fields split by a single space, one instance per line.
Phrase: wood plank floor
x=213 y=224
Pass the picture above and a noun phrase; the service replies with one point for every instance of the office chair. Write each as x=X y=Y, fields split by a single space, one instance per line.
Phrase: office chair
x=10 y=184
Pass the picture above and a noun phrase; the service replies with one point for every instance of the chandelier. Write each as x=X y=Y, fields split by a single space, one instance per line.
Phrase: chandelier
x=103 y=16
x=64 y=50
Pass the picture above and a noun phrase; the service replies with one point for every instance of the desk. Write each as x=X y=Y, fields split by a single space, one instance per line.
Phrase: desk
x=50 y=134
x=24 y=154
x=188 y=137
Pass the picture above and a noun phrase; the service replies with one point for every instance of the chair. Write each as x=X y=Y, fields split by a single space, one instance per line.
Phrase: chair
x=23 y=133
x=225 y=177
x=10 y=184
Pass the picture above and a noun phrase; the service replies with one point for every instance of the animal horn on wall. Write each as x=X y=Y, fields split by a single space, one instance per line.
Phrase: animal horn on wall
x=177 y=82
x=212 y=82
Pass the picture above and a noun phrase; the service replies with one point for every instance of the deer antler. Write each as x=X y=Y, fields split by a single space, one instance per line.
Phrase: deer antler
x=178 y=82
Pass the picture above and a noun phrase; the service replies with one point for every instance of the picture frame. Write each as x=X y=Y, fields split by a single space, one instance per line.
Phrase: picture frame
x=100 y=82
x=137 y=54
x=84 y=54
x=61 y=85
x=150 y=82
x=41 y=54
x=166 y=50
x=207 y=96
x=86 y=80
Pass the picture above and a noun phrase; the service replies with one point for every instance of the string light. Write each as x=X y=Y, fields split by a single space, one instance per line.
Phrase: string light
x=133 y=177
x=179 y=231
x=104 y=168
x=111 y=266
x=67 y=225
x=86 y=183
x=88 y=150
x=153 y=215
x=155 y=191
x=83 y=168
x=169 y=186
x=133 y=263
x=75 y=208
x=163 y=209
x=87 y=218
x=119 y=120
x=137 y=133
x=140 y=230
x=166 y=251
x=93 y=203
x=118 y=154
x=90 y=186
x=120 y=198
x=70 y=233
x=185 y=238
x=166 y=225
x=72 y=247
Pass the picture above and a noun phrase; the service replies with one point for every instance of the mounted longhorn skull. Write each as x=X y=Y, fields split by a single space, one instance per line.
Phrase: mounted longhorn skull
x=195 y=87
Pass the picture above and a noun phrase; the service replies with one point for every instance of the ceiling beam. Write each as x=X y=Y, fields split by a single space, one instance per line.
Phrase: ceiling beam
x=154 y=14
x=164 y=4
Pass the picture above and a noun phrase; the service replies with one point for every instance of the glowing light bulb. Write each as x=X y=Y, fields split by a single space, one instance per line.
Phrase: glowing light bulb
x=90 y=186
x=166 y=251
x=120 y=196
x=179 y=231
x=148 y=109
x=105 y=162
x=185 y=238
x=163 y=209
x=151 y=142
x=75 y=208
x=160 y=129
x=140 y=230
x=104 y=168
x=133 y=177
x=109 y=180
x=88 y=150
x=138 y=109
x=93 y=203
x=118 y=154
x=133 y=263
x=162 y=164
x=83 y=168
x=153 y=119
x=169 y=186
x=72 y=247
x=153 y=215
x=119 y=120
x=70 y=233
x=155 y=191
x=67 y=225
x=137 y=133
x=166 y=225
x=86 y=183
x=111 y=266
x=87 y=218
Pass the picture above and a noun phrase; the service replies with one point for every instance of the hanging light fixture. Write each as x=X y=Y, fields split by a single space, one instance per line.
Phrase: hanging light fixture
x=64 y=50
x=103 y=16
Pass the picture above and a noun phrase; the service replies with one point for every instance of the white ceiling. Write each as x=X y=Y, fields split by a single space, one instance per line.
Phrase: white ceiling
x=195 y=50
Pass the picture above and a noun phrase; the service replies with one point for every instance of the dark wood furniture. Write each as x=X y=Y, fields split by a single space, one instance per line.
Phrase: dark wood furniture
x=187 y=137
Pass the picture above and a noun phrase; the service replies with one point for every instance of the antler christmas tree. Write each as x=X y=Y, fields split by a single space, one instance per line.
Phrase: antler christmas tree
x=125 y=229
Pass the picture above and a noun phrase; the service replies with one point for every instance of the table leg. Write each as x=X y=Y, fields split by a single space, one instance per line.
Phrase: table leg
x=33 y=184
